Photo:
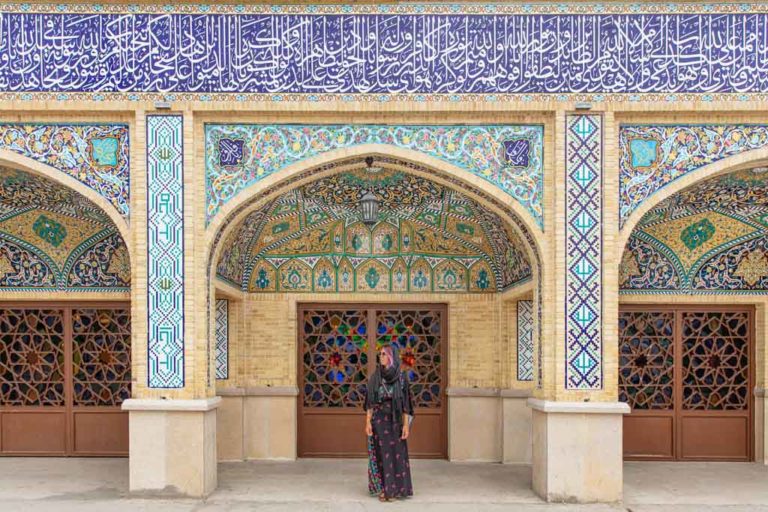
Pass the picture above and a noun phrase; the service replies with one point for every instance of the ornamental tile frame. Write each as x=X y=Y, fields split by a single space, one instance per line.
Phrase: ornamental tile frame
x=508 y=156
x=96 y=155
x=653 y=156
x=165 y=251
x=660 y=52
x=222 y=339
x=525 y=340
x=583 y=251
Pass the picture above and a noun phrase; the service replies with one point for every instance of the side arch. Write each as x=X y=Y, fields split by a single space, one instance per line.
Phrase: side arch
x=23 y=163
x=746 y=160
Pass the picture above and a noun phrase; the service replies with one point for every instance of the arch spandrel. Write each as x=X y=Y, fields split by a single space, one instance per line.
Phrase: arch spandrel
x=509 y=157
x=93 y=155
x=657 y=161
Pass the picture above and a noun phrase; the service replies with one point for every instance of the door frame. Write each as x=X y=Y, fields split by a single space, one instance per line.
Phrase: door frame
x=371 y=307
x=69 y=410
x=677 y=412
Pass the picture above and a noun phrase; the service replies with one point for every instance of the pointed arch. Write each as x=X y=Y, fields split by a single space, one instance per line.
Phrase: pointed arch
x=746 y=160
x=18 y=162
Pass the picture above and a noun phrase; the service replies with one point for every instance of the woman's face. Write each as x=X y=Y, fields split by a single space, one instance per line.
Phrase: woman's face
x=384 y=358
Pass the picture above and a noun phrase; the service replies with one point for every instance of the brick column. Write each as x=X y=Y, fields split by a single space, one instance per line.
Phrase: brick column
x=577 y=448
x=172 y=412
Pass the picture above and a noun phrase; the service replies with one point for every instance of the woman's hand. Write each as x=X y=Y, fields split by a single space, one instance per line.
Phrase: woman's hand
x=406 y=431
x=368 y=429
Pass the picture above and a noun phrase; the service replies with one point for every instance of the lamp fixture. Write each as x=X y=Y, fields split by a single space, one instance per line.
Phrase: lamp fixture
x=369 y=203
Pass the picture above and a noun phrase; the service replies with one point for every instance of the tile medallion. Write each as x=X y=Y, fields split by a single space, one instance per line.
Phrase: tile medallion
x=709 y=238
x=55 y=239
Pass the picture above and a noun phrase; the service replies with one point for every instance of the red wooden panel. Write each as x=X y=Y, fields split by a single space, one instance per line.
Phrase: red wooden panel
x=35 y=432
x=101 y=433
x=649 y=437
x=715 y=438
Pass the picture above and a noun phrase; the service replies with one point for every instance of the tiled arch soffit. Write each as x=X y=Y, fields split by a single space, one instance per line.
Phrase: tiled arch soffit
x=442 y=208
x=508 y=157
x=628 y=51
x=709 y=238
x=53 y=238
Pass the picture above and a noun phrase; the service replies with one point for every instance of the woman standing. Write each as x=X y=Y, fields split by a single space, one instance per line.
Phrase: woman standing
x=389 y=412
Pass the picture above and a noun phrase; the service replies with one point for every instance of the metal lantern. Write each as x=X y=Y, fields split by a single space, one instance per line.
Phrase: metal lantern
x=369 y=208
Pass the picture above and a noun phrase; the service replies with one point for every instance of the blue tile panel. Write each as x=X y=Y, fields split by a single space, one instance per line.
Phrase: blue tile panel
x=583 y=249
x=165 y=250
x=414 y=51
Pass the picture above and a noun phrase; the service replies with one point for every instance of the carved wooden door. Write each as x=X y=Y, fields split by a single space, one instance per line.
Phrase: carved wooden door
x=338 y=346
x=64 y=372
x=685 y=371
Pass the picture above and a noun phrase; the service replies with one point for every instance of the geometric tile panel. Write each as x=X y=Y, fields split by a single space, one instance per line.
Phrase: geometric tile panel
x=95 y=155
x=708 y=238
x=525 y=340
x=165 y=250
x=428 y=238
x=509 y=157
x=583 y=249
x=439 y=49
x=222 y=339
x=653 y=156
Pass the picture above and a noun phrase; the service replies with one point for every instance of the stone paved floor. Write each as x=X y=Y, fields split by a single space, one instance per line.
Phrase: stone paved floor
x=85 y=485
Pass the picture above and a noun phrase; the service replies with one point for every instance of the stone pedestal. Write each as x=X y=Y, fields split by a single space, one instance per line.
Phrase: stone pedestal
x=517 y=426
x=257 y=423
x=577 y=451
x=474 y=425
x=172 y=446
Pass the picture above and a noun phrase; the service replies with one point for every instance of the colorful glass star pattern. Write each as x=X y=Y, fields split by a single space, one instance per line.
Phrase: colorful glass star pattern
x=418 y=335
x=334 y=358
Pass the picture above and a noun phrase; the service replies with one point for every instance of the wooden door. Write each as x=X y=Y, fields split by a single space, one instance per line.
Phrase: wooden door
x=64 y=372
x=338 y=346
x=686 y=373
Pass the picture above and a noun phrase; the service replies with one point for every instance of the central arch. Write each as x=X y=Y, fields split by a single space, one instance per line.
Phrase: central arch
x=316 y=197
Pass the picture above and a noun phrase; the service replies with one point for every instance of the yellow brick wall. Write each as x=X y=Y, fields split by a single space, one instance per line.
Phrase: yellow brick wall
x=263 y=334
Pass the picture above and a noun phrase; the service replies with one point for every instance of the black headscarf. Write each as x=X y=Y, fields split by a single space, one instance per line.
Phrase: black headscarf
x=391 y=376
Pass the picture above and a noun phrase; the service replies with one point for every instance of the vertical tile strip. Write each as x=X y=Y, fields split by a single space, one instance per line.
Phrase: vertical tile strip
x=525 y=340
x=583 y=251
x=165 y=251
x=222 y=339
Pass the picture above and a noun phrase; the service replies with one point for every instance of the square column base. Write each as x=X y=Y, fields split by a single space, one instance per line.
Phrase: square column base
x=577 y=451
x=172 y=447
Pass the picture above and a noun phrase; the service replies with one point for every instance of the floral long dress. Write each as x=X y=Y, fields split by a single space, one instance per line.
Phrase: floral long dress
x=389 y=469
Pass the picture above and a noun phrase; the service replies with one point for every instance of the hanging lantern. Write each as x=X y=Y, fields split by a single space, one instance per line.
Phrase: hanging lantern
x=369 y=208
